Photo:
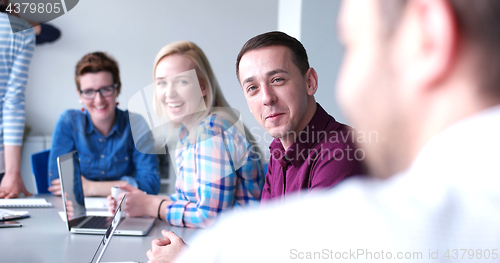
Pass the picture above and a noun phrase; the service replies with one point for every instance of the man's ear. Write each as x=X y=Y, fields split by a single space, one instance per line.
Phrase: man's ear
x=430 y=41
x=312 y=81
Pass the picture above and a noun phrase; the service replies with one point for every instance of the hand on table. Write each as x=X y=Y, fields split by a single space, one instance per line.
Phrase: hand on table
x=69 y=210
x=135 y=199
x=87 y=186
x=55 y=187
x=12 y=186
x=166 y=249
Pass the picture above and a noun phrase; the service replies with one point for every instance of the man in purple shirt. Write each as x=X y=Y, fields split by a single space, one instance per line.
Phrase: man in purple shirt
x=310 y=150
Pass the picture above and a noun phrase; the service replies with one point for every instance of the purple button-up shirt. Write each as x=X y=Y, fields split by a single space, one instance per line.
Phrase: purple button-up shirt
x=322 y=155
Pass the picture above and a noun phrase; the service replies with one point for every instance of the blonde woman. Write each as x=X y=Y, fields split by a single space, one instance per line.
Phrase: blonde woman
x=217 y=163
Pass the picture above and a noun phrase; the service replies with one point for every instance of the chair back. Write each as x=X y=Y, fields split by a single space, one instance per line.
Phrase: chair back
x=40 y=168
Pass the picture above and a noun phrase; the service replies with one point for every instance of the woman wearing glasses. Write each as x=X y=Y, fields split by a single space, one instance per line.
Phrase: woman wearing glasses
x=101 y=133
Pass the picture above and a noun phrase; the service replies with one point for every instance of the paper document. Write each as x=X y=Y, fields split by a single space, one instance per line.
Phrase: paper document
x=96 y=203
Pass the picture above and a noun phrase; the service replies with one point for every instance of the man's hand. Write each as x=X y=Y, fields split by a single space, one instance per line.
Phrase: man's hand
x=55 y=188
x=137 y=201
x=69 y=210
x=166 y=249
x=12 y=186
x=112 y=202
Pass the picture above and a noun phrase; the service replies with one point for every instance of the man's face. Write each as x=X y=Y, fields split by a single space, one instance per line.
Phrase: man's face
x=275 y=90
x=366 y=88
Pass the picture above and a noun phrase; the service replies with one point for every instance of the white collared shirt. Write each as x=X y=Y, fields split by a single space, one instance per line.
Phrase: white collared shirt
x=444 y=208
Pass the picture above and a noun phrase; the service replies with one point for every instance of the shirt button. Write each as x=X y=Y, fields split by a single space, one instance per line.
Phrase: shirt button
x=126 y=158
x=100 y=140
x=102 y=172
x=102 y=156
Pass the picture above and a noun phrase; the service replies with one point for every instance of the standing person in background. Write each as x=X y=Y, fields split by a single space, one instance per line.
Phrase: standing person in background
x=15 y=58
x=101 y=133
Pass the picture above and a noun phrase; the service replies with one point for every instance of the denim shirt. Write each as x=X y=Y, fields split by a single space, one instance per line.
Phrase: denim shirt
x=103 y=158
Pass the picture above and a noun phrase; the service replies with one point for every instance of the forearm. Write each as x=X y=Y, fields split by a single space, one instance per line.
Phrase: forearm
x=98 y=188
x=199 y=213
x=183 y=213
x=148 y=182
x=157 y=207
x=12 y=160
x=12 y=183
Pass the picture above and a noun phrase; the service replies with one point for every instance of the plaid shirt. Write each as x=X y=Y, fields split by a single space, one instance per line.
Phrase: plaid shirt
x=206 y=182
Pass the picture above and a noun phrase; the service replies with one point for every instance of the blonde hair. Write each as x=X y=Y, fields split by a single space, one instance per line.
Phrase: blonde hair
x=214 y=98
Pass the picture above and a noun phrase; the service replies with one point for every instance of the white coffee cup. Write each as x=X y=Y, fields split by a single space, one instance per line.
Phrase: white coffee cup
x=116 y=192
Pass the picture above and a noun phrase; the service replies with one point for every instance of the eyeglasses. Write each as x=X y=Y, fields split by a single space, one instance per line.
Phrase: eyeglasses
x=107 y=91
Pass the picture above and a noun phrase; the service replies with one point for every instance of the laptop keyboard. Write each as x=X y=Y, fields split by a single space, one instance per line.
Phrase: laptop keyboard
x=97 y=222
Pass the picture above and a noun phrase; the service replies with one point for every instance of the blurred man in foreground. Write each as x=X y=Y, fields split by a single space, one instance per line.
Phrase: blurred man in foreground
x=423 y=73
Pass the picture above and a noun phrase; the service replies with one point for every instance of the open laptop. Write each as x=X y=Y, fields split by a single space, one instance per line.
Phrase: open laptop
x=72 y=190
x=109 y=233
x=103 y=244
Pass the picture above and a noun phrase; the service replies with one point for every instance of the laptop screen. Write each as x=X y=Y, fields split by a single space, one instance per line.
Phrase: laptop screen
x=109 y=233
x=71 y=183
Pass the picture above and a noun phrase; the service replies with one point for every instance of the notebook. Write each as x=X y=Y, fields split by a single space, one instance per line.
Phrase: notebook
x=6 y=215
x=25 y=203
x=80 y=223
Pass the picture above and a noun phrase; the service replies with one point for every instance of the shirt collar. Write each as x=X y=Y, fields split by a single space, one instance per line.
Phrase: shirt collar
x=184 y=132
x=118 y=127
x=455 y=143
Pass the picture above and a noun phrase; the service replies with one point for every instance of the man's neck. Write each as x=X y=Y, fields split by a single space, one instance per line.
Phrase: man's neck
x=442 y=112
x=288 y=139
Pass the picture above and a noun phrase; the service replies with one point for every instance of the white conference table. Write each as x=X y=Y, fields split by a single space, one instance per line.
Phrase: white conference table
x=44 y=237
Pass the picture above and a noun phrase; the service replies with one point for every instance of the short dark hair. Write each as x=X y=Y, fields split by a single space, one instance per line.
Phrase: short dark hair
x=97 y=62
x=276 y=38
x=477 y=22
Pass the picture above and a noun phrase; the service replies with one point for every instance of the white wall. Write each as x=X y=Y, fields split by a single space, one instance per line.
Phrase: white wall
x=318 y=35
x=133 y=32
x=314 y=23
x=290 y=17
